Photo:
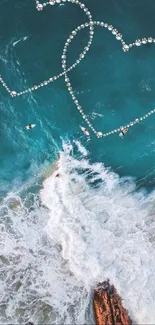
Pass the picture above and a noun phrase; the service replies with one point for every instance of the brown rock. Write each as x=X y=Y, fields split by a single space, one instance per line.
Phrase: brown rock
x=108 y=307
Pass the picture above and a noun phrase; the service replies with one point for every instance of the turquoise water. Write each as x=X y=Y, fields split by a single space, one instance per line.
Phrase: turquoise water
x=118 y=85
x=114 y=88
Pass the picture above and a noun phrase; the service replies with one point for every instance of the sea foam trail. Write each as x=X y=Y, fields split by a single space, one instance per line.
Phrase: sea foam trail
x=84 y=226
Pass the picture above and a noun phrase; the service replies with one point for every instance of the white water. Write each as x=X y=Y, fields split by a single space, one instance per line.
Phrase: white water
x=21 y=39
x=86 y=225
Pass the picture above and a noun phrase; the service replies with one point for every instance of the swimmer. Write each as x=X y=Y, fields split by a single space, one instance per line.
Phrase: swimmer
x=123 y=132
x=85 y=131
x=56 y=174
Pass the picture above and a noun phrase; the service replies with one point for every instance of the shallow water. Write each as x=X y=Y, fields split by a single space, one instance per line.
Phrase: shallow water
x=97 y=220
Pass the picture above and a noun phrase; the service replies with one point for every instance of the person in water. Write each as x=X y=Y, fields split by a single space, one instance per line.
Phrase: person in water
x=28 y=127
x=85 y=131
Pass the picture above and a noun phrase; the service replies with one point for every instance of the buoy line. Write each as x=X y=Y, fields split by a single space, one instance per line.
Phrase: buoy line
x=40 y=7
x=90 y=24
x=125 y=48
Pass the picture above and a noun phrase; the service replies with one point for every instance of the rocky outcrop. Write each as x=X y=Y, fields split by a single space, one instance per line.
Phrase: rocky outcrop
x=108 y=307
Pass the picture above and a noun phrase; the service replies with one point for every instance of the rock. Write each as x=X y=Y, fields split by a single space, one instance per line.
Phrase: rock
x=108 y=306
x=4 y=260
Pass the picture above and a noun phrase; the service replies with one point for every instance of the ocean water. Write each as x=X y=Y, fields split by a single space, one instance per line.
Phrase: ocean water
x=61 y=236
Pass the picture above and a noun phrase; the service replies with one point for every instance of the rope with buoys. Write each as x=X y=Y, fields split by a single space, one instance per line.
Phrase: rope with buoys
x=90 y=24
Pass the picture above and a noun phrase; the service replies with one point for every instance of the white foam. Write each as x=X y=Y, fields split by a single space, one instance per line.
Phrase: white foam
x=87 y=225
x=103 y=232
x=81 y=148
x=145 y=86
x=94 y=115
x=21 y=39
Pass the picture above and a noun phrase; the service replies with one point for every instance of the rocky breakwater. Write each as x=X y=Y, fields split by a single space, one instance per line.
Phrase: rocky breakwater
x=108 y=306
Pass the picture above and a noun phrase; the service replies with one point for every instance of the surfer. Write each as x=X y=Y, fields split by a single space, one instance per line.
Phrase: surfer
x=30 y=126
x=123 y=132
x=85 y=131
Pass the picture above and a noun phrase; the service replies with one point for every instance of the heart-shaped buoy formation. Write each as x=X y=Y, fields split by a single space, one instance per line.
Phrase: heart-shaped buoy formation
x=90 y=24
x=125 y=48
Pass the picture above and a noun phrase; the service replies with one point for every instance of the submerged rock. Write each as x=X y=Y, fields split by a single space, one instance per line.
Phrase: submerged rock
x=4 y=260
x=108 y=307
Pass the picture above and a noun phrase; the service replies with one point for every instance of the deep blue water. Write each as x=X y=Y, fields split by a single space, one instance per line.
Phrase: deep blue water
x=113 y=83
